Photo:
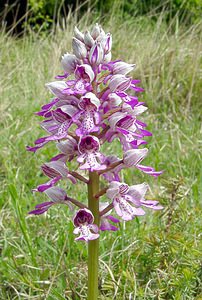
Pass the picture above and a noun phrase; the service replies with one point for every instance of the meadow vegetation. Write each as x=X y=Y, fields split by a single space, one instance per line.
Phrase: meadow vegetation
x=157 y=256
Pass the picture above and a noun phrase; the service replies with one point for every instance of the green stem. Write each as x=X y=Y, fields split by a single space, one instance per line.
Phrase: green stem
x=93 y=246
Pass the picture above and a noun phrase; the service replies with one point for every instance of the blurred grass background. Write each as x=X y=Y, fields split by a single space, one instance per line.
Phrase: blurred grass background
x=157 y=256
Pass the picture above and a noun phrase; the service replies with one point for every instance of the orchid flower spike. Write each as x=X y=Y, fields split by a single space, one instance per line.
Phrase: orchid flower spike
x=94 y=102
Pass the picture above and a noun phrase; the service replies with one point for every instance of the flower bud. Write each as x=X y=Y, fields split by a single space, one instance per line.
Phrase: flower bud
x=69 y=62
x=88 y=40
x=96 y=31
x=107 y=43
x=78 y=34
x=96 y=54
x=119 y=83
x=123 y=68
x=79 y=48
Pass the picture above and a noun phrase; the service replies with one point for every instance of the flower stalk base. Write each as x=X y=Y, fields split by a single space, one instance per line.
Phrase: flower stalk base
x=93 y=246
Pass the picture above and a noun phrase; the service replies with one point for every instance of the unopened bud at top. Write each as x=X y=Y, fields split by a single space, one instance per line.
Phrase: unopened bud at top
x=78 y=34
x=79 y=48
x=96 y=54
x=96 y=31
x=107 y=43
x=88 y=40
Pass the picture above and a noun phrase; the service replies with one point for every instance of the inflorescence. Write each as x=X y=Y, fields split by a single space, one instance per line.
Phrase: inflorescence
x=94 y=102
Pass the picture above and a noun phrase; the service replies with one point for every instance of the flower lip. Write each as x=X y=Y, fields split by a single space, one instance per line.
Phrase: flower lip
x=83 y=217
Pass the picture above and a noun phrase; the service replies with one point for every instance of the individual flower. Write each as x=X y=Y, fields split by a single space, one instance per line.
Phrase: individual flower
x=57 y=196
x=69 y=63
x=122 y=201
x=128 y=99
x=55 y=170
x=88 y=39
x=127 y=200
x=57 y=125
x=134 y=156
x=137 y=192
x=106 y=42
x=89 y=106
x=83 y=221
x=78 y=34
x=97 y=31
x=89 y=147
x=127 y=129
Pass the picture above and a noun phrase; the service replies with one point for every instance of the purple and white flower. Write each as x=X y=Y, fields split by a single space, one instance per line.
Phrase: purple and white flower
x=69 y=63
x=90 y=157
x=122 y=201
x=55 y=170
x=83 y=221
x=89 y=107
x=57 y=125
x=57 y=196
